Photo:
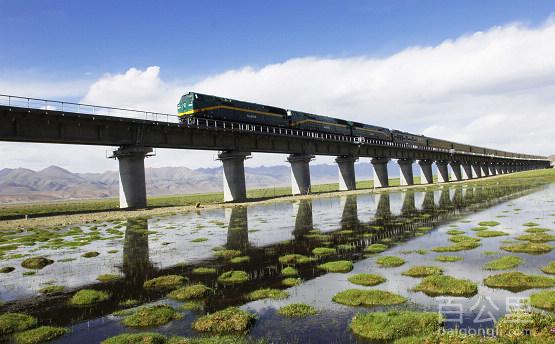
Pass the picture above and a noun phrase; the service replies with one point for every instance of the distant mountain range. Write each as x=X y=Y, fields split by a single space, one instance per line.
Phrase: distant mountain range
x=55 y=183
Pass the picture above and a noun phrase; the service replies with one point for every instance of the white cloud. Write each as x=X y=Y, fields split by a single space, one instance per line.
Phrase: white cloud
x=492 y=88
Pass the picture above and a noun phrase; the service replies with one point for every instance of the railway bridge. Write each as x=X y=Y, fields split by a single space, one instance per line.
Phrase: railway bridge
x=136 y=133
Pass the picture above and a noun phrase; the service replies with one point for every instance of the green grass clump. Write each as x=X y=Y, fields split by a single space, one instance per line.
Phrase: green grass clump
x=108 y=277
x=537 y=230
x=368 y=298
x=129 y=303
x=39 y=335
x=52 y=289
x=442 y=285
x=518 y=281
x=90 y=254
x=15 y=322
x=151 y=316
x=240 y=260
x=229 y=320
x=227 y=254
x=544 y=299
x=195 y=305
x=233 y=277
x=390 y=261
x=537 y=237
x=6 y=269
x=366 y=279
x=455 y=232
x=267 y=293
x=375 y=248
x=291 y=281
x=297 y=310
x=478 y=229
x=526 y=327
x=531 y=224
x=337 y=266
x=463 y=238
x=323 y=251
x=488 y=223
x=422 y=271
x=204 y=271
x=490 y=234
x=460 y=246
x=424 y=229
x=293 y=259
x=36 y=263
x=549 y=268
x=382 y=326
x=165 y=282
x=89 y=297
x=504 y=263
x=136 y=338
x=449 y=259
x=289 y=271
x=195 y=291
x=528 y=247
x=199 y=239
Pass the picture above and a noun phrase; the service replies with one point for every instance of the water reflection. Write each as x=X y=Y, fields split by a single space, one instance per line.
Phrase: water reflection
x=136 y=263
x=237 y=229
x=303 y=218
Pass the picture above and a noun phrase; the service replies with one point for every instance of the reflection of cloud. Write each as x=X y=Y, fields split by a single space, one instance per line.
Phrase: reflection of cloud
x=492 y=88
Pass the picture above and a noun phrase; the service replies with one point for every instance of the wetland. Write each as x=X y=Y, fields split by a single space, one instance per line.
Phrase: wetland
x=400 y=266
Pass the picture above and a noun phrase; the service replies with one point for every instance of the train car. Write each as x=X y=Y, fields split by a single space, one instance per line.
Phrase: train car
x=459 y=147
x=199 y=105
x=478 y=150
x=438 y=143
x=324 y=124
x=408 y=138
x=370 y=131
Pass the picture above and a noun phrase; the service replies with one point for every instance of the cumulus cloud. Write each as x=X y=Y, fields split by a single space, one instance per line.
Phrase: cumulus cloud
x=493 y=88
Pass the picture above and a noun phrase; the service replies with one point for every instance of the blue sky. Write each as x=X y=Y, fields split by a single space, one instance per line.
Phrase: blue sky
x=466 y=71
x=190 y=39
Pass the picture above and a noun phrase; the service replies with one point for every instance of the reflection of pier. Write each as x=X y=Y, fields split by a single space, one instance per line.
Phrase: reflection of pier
x=238 y=228
x=303 y=220
x=136 y=264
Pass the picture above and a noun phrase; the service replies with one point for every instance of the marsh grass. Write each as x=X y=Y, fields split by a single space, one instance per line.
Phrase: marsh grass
x=36 y=263
x=422 y=271
x=91 y=254
x=88 y=297
x=6 y=269
x=291 y=281
x=488 y=223
x=132 y=338
x=531 y=224
x=528 y=247
x=549 y=268
x=544 y=299
x=240 y=260
x=455 y=232
x=165 y=282
x=267 y=293
x=526 y=327
x=39 y=335
x=537 y=230
x=449 y=259
x=337 y=266
x=289 y=271
x=204 y=271
x=297 y=310
x=463 y=238
x=504 y=263
x=390 y=261
x=229 y=320
x=385 y=327
x=227 y=254
x=194 y=291
x=478 y=229
x=537 y=237
x=233 y=277
x=366 y=279
x=518 y=281
x=368 y=298
x=293 y=259
x=52 y=289
x=375 y=248
x=443 y=285
x=324 y=251
x=108 y=278
x=15 y=322
x=151 y=316
x=457 y=247
x=490 y=234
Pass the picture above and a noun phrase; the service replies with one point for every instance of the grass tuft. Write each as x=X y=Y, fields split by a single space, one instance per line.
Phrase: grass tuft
x=229 y=320
x=390 y=261
x=89 y=297
x=165 y=282
x=195 y=291
x=442 y=285
x=422 y=271
x=528 y=247
x=368 y=298
x=267 y=293
x=490 y=234
x=488 y=223
x=293 y=259
x=382 y=326
x=204 y=271
x=366 y=279
x=36 y=263
x=151 y=316
x=297 y=310
x=337 y=266
x=289 y=271
x=15 y=322
x=324 y=251
x=518 y=281
x=504 y=263
x=136 y=338
x=108 y=277
x=39 y=335
x=233 y=277
x=449 y=259
x=52 y=289
x=375 y=248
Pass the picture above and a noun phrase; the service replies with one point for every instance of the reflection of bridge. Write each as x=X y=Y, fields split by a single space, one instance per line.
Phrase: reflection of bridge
x=34 y=120
x=414 y=210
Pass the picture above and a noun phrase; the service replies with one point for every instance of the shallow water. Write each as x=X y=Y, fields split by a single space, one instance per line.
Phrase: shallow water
x=141 y=249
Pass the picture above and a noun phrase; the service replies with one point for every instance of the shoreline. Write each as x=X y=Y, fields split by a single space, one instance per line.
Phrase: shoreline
x=64 y=220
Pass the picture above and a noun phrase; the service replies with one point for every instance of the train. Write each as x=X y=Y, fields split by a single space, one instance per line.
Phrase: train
x=197 y=105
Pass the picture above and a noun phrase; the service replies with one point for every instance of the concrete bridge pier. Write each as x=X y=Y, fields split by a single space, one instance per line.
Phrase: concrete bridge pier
x=476 y=171
x=498 y=169
x=132 y=185
x=457 y=173
x=381 y=178
x=442 y=171
x=347 y=178
x=300 y=173
x=492 y=170
x=485 y=169
x=426 y=175
x=466 y=172
x=233 y=162
x=406 y=175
